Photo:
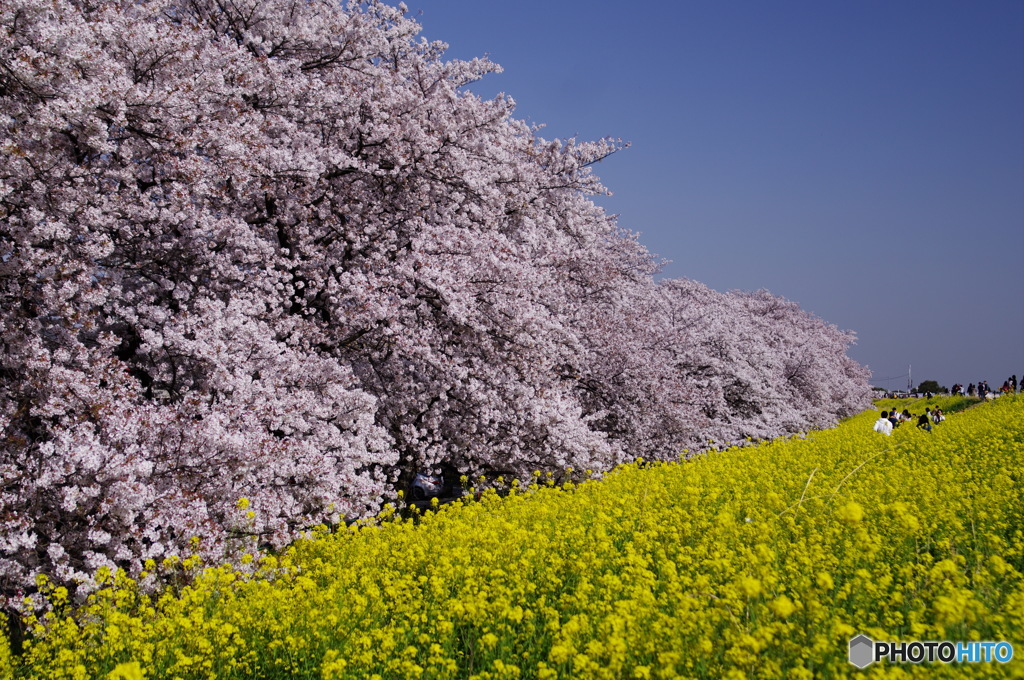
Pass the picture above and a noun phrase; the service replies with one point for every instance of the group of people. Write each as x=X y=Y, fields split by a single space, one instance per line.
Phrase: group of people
x=890 y=420
x=982 y=390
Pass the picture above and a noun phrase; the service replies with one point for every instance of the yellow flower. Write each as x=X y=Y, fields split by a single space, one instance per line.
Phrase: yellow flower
x=127 y=671
x=851 y=513
x=749 y=586
x=783 y=606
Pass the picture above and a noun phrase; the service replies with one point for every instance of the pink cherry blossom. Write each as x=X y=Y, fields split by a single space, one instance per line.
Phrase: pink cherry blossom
x=275 y=251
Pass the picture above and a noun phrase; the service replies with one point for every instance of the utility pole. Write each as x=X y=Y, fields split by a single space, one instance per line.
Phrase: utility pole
x=910 y=381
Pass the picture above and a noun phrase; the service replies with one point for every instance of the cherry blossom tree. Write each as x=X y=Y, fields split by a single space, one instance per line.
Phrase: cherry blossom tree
x=762 y=366
x=262 y=260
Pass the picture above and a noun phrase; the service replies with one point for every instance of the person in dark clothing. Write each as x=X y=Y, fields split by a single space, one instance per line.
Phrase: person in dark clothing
x=924 y=423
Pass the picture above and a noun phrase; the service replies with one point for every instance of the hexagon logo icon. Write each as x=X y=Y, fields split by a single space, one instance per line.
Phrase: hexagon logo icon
x=862 y=651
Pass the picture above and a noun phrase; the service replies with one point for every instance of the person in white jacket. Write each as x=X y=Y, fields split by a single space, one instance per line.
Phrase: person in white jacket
x=883 y=425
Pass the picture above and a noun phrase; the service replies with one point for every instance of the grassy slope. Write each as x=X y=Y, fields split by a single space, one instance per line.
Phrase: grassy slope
x=757 y=562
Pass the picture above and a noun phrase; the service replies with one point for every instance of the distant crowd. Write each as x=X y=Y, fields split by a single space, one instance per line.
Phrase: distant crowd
x=980 y=390
x=890 y=420
x=983 y=391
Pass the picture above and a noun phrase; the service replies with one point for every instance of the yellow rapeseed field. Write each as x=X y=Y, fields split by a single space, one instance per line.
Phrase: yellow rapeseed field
x=762 y=561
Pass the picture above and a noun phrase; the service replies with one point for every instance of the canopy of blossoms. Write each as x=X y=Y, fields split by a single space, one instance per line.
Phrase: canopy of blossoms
x=262 y=260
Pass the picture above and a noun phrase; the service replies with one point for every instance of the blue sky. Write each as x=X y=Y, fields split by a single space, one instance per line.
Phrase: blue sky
x=864 y=159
